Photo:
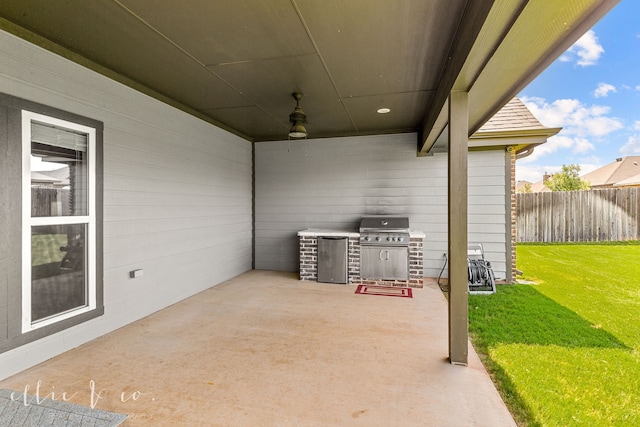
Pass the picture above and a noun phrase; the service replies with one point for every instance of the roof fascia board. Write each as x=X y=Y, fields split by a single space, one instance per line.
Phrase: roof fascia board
x=519 y=143
x=470 y=25
x=490 y=94
x=515 y=133
x=496 y=26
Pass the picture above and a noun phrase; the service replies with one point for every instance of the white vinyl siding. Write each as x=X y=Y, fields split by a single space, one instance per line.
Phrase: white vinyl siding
x=177 y=194
x=331 y=183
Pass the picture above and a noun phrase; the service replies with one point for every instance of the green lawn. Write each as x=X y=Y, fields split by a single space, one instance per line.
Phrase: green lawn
x=45 y=248
x=566 y=351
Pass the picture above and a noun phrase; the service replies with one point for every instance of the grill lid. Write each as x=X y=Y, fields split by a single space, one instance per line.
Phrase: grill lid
x=384 y=223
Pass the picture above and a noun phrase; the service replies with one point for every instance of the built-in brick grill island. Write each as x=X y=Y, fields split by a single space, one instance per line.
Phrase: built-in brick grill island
x=383 y=251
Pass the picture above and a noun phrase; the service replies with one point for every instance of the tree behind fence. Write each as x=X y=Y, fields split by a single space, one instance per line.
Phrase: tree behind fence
x=578 y=216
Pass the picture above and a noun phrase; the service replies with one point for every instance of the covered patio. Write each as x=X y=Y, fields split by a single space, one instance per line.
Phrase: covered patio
x=191 y=310
x=267 y=349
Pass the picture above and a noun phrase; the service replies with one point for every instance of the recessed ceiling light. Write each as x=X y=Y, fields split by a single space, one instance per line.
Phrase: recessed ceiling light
x=383 y=110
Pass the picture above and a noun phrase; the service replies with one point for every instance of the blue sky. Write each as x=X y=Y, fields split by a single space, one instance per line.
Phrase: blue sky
x=593 y=93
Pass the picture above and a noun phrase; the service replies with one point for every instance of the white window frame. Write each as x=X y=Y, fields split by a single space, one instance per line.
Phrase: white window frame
x=28 y=222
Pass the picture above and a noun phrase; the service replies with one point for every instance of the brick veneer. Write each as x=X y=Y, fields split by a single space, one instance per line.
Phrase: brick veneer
x=354 y=259
x=308 y=258
x=309 y=263
x=512 y=166
x=416 y=267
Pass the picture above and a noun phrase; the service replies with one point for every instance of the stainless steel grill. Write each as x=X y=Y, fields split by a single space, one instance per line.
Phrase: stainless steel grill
x=384 y=230
x=384 y=247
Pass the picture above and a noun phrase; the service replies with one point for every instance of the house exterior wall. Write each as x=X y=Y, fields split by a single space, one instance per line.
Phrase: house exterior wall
x=177 y=196
x=331 y=183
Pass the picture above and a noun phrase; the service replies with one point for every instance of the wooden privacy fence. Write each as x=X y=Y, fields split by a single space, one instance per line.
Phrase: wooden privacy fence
x=578 y=216
x=48 y=201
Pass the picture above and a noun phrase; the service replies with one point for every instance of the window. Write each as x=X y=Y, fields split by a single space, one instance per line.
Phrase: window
x=58 y=220
x=50 y=221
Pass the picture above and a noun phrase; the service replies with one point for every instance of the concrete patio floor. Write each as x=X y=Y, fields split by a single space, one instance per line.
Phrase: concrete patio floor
x=265 y=349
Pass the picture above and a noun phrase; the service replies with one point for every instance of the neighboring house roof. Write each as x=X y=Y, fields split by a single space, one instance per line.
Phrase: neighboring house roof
x=623 y=172
x=614 y=173
x=61 y=174
x=536 y=187
x=539 y=187
x=634 y=181
x=41 y=177
x=57 y=176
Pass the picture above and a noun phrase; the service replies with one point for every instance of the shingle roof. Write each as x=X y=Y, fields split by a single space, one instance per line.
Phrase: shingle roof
x=61 y=174
x=56 y=176
x=539 y=187
x=41 y=177
x=513 y=116
x=614 y=173
x=536 y=187
x=633 y=181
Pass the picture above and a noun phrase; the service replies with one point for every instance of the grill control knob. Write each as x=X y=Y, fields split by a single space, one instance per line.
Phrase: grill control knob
x=367 y=238
x=389 y=239
x=378 y=238
x=400 y=239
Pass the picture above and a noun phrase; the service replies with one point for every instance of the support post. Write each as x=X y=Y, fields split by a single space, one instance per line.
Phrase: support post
x=457 y=202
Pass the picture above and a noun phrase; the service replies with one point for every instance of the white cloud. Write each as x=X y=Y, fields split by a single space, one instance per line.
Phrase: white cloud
x=576 y=119
x=559 y=142
x=586 y=51
x=582 y=146
x=589 y=164
x=552 y=115
x=600 y=126
x=636 y=125
x=603 y=90
x=581 y=124
x=632 y=147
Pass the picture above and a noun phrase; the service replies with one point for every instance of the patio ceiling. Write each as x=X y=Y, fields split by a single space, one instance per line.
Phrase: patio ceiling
x=236 y=62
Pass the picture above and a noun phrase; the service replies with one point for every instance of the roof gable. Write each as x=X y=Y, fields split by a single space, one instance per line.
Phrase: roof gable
x=614 y=172
x=513 y=116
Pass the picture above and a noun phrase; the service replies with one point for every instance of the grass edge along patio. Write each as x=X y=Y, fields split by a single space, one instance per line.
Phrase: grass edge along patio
x=564 y=351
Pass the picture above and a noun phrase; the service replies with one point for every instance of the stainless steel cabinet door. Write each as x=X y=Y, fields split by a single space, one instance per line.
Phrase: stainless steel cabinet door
x=384 y=263
x=332 y=259
x=371 y=266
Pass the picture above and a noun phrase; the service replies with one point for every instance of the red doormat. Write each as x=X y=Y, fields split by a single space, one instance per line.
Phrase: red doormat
x=387 y=291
